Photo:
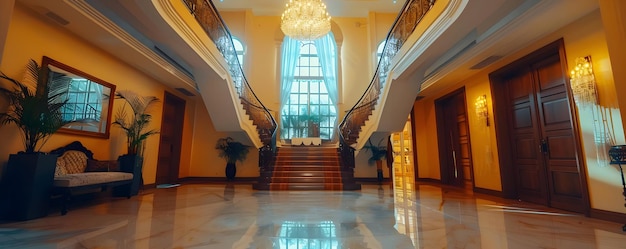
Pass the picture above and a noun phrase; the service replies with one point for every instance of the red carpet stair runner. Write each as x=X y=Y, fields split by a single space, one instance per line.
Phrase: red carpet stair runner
x=308 y=168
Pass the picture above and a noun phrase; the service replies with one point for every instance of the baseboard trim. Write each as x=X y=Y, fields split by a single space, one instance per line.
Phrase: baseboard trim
x=488 y=192
x=196 y=179
x=370 y=180
x=428 y=180
x=149 y=186
x=607 y=215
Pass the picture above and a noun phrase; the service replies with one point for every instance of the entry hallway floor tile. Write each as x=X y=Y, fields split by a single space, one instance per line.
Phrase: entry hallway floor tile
x=235 y=216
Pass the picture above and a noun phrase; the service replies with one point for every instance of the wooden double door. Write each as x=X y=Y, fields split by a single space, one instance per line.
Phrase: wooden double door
x=540 y=158
x=171 y=138
x=454 y=141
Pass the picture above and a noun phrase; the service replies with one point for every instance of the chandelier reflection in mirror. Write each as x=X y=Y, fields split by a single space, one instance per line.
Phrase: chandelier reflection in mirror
x=305 y=20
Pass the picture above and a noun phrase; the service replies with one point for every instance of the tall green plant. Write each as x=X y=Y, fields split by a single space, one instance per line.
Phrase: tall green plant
x=232 y=150
x=378 y=152
x=34 y=106
x=135 y=124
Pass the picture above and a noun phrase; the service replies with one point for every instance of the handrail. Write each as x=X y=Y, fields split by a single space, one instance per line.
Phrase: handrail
x=210 y=20
x=412 y=13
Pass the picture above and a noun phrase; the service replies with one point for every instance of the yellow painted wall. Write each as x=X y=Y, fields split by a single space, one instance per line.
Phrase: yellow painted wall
x=613 y=16
x=29 y=36
x=584 y=37
x=425 y=139
x=378 y=32
x=204 y=157
x=483 y=137
x=355 y=59
x=604 y=180
x=263 y=38
x=263 y=50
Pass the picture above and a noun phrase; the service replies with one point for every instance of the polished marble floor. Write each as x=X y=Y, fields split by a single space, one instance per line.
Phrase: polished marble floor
x=235 y=216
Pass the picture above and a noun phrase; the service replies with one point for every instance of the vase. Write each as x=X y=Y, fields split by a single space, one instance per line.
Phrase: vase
x=379 y=170
x=130 y=164
x=230 y=171
x=29 y=183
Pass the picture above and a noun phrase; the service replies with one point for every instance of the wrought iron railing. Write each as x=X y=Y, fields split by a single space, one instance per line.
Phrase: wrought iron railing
x=210 y=20
x=403 y=27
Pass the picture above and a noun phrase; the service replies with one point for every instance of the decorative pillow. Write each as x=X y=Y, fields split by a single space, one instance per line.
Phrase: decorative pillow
x=60 y=169
x=101 y=166
x=75 y=161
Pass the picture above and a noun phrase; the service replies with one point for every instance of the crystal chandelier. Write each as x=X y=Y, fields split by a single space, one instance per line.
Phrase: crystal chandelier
x=305 y=20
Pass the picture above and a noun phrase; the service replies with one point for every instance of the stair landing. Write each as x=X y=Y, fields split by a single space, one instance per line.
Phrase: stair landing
x=307 y=168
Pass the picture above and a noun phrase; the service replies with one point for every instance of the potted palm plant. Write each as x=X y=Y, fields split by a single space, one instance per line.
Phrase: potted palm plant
x=232 y=151
x=135 y=125
x=377 y=154
x=35 y=108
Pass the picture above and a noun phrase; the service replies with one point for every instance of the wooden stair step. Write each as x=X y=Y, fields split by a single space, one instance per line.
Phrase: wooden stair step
x=298 y=180
x=294 y=174
x=307 y=168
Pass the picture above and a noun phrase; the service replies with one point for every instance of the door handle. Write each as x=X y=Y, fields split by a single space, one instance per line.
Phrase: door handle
x=543 y=146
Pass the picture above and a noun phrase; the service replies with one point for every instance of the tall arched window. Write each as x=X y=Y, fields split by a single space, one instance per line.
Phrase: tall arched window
x=309 y=88
x=238 y=49
x=379 y=52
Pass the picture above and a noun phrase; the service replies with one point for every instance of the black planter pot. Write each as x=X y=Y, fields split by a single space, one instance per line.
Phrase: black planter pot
x=231 y=171
x=130 y=164
x=379 y=175
x=379 y=170
x=29 y=179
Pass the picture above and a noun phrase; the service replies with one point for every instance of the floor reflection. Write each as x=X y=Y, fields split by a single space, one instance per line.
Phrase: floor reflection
x=402 y=215
x=300 y=235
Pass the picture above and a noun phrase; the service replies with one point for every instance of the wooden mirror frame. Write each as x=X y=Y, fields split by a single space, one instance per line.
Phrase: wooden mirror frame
x=102 y=130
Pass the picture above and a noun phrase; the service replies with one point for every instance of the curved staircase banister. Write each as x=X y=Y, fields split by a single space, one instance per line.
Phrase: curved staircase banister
x=404 y=25
x=212 y=23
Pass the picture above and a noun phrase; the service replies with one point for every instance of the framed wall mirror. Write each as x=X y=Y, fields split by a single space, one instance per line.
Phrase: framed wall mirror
x=89 y=99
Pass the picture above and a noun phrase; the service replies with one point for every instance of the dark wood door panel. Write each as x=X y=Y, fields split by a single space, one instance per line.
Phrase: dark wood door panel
x=555 y=112
x=526 y=147
x=555 y=115
x=549 y=73
x=522 y=117
x=566 y=184
x=561 y=146
x=453 y=135
x=462 y=126
x=528 y=180
x=168 y=163
x=531 y=184
x=518 y=87
x=565 y=190
x=541 y=150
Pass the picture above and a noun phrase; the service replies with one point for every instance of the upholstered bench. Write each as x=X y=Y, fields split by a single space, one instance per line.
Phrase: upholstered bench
x=77 y=171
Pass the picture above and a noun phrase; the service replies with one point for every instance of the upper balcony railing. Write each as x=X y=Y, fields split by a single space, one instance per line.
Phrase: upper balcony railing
x=210 y=20
x=403 y=27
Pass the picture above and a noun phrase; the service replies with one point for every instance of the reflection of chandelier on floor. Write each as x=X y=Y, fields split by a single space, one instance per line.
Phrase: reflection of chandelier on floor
x=305 y=20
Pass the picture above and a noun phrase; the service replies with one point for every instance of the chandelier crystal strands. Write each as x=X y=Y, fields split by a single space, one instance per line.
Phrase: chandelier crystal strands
x=305 y=20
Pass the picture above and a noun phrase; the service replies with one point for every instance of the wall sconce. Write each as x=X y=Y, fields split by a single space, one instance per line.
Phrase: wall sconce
x=481 y=108
x=583 y=83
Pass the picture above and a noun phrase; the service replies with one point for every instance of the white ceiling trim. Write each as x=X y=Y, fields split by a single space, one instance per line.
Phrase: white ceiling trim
x=88 y=12
x=211 y=55
x=420 y=42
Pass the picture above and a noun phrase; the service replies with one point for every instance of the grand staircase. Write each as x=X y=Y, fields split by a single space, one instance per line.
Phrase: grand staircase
x=307 y=168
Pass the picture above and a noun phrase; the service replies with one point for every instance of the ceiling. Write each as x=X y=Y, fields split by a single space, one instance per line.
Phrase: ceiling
x=497 y=27
x=336 y=8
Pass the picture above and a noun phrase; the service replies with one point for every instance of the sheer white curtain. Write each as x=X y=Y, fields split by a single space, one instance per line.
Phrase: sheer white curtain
x=327 y=53
x=291 y=53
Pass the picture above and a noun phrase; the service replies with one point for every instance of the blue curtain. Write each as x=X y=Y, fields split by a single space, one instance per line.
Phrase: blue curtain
x=290 y=54
x=327 y=53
